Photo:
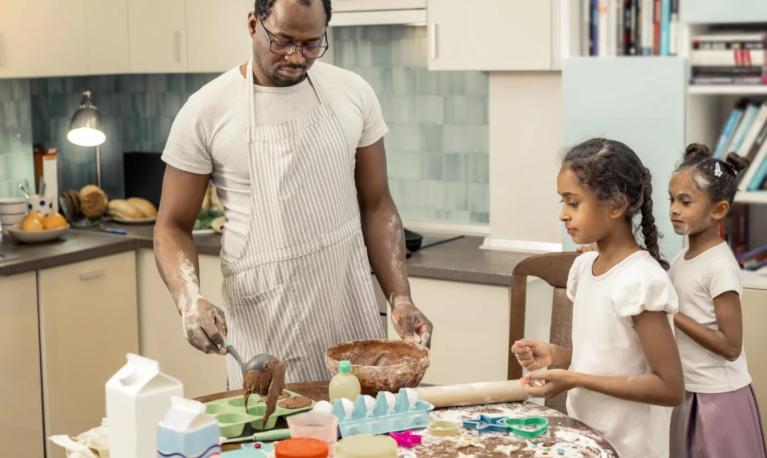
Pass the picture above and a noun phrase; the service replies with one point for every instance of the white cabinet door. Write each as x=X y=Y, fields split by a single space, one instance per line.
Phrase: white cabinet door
x=157 y=32
x=106 y=36
x=376 y=5
x=755 y=342
x=217 y=33
x=490 y=35
x=88 y=322
x=21 y=421
x=471 y=330
x=42 y=38
x=162 y=338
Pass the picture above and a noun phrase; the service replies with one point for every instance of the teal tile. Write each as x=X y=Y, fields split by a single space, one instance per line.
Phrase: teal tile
x=465 y=138
x=430 y=109
x=480 y=217
x=432 y=166
x=404 y=137
x=479 y=199
x=403 y=109
x=431 y=137
x=478 y=168
x=404 y=81
x=462 y=109
x=477 y=83
x=454 y=168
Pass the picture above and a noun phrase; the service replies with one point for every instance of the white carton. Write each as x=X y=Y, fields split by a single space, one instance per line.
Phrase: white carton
x=138 y=396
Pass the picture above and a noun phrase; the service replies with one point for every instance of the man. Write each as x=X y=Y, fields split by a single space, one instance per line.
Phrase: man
x=298 y=158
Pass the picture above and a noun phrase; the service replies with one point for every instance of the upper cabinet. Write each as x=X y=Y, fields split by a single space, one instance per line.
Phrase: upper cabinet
x=378 y=12
x=42 y=37
x=157 y=32
x=720 y=12
x=490 y=35
x=217 y=34
x=106 y=36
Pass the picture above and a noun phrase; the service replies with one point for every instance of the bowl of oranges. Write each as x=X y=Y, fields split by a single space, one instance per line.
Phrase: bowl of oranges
x=36 y=227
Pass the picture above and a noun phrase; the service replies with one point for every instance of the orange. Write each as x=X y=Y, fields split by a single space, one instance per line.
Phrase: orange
x=31 y=224
x=54 y=221
x=36 y=215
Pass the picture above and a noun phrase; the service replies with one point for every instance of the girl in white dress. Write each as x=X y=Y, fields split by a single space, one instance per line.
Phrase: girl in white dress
x=719 y=416
x=623 y=372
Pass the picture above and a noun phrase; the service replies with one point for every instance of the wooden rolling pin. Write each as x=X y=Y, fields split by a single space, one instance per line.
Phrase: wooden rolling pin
x=473 y=393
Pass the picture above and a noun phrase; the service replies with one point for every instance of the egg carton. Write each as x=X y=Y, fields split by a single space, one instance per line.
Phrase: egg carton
x=232 y=418
x=381 y=417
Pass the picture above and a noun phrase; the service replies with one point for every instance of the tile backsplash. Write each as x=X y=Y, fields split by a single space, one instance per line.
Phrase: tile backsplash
x=16 y=161
x=437 y=146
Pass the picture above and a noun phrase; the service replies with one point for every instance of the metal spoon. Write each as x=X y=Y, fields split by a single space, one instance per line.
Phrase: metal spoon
x=263 y=374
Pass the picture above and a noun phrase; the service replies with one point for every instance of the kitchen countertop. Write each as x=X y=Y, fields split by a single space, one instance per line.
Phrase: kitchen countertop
x=458 y=260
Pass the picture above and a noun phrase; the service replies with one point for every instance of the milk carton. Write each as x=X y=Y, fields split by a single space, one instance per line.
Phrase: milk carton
x=138 y=396
x=187 y=431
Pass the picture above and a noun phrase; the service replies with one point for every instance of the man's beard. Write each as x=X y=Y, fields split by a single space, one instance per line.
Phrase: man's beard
x=284 y=82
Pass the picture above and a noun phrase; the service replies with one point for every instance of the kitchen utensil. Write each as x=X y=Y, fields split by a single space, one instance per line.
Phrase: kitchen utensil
x=262 y=436
x=255 y=363
x=528 y=427
x=381 y=365
x=487 y=424
x=233 y=419
x=473 y=393
x=24 y=191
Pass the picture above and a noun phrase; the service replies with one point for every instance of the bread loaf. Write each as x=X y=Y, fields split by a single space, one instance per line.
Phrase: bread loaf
x=93 y=201
x=144 y=206
x=124 y=209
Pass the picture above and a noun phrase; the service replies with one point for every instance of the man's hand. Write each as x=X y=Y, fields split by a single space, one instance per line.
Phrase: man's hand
x=533 y=354
x=204 y=326
x=548 y=383
x=409 y=322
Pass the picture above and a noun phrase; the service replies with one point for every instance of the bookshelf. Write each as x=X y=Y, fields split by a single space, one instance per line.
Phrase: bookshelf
x=613 y=111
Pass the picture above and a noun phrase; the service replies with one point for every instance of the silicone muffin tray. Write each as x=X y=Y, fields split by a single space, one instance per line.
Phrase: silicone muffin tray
x=233 y=420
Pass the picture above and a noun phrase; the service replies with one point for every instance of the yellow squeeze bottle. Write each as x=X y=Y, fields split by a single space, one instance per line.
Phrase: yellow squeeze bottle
x=344 y=384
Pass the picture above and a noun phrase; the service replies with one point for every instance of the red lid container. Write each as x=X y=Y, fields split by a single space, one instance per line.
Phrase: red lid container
x=301 y=448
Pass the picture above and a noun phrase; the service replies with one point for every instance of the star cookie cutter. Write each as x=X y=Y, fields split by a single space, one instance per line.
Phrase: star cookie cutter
x=487 y=424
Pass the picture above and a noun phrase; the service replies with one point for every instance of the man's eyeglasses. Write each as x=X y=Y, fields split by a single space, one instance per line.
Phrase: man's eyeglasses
x=287 y=48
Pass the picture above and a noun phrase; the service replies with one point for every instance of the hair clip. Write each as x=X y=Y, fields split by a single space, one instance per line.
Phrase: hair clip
x=717 y=170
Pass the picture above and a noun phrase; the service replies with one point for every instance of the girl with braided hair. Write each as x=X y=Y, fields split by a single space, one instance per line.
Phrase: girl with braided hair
x=719 y=416
x=623 y=371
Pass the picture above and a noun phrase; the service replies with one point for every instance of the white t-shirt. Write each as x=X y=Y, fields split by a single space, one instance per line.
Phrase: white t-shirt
x=698 y=281
x=208 y=135
x=606 y=343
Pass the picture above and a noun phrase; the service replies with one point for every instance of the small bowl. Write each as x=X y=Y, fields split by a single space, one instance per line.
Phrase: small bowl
x=12 y=205
x=381 y=365
x=37 y=236
x=12 y=219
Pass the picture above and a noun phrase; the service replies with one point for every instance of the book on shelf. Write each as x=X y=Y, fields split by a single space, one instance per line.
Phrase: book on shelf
x=757 y=127
x=753 y=259
x=630 y=27
x=729 y=58
x=729 y=127
x=749 y=116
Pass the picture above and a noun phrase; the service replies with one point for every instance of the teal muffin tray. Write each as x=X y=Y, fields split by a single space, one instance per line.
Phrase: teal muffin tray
x=234 y=421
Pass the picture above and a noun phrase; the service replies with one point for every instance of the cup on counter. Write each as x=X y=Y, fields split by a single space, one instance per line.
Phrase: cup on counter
x=322 y=426
x=12 y=211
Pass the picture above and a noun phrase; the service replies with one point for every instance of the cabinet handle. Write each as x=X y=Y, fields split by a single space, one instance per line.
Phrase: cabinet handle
x=2 y=50
x=85 y=276
x=433 y=40
x=177 y=46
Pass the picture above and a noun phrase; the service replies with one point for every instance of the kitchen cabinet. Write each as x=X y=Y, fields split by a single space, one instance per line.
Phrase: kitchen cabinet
x=157 y=34
x=755 y=342
x=471 y=330
x=88 y=322
x=21 y=427
x=217 y=33
x=490 y=35
x=42 y=37
x=106 y=36
x=718 y=12
x=340 y=6
x=161 y=334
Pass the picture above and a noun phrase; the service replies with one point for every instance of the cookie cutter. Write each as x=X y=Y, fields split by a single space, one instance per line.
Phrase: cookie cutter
x=487 y=424
x=406 y=439
x=527 y=427
x=443 y=428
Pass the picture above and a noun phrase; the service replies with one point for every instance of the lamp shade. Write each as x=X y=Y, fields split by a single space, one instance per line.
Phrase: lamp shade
x=85 y=127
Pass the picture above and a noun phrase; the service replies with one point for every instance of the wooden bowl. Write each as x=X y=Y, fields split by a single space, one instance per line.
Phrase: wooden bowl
x=381 y=365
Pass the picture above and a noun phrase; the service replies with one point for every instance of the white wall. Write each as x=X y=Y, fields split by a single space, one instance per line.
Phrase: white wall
x=525 y=143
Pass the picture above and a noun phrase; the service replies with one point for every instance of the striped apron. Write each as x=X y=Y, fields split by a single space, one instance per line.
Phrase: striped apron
x=303 y=282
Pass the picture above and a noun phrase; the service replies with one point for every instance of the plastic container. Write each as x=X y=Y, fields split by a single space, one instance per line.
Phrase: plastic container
x=301 y=448
x=138 y=396
x=407 y=413
x=187 y=431
x=367 y=447
x=315 y=426
x=344 y=384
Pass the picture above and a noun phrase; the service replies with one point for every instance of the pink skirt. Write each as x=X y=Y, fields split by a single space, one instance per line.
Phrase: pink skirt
x=726 y=425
